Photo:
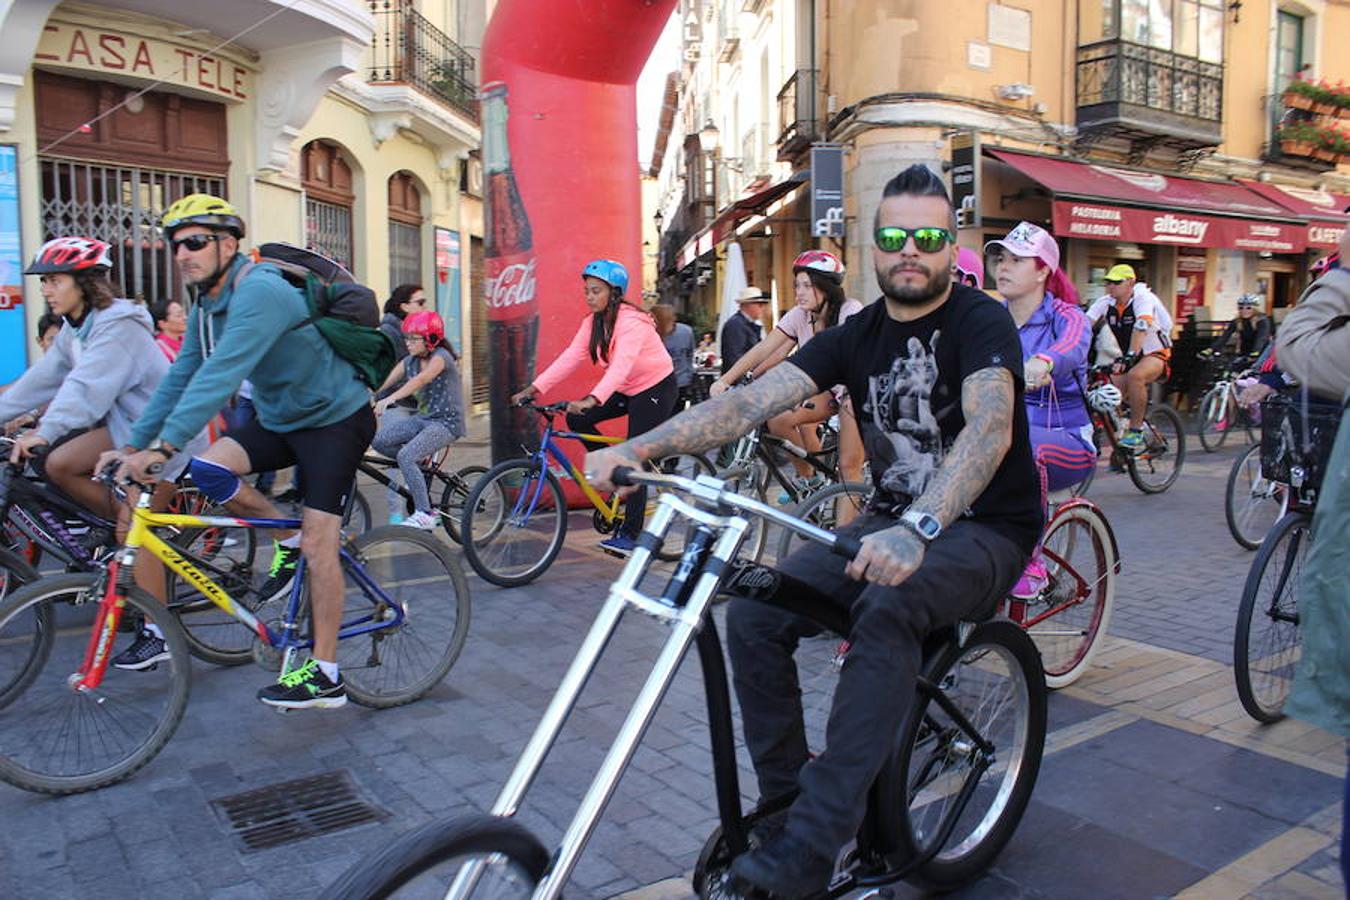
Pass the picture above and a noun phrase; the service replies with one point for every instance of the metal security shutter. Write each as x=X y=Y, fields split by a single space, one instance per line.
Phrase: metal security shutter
x=478 y=336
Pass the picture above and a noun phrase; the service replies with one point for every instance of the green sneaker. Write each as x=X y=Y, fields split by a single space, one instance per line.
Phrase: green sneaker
x=305 y=688
x=1132 y=440
x=280 y=574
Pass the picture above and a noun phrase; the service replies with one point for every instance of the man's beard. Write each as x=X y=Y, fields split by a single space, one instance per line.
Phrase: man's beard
x=937 y=285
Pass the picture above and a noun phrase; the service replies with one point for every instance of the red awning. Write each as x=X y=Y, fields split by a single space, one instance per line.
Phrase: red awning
x=1101 y=202
x=1325 y=211
x=725 y=224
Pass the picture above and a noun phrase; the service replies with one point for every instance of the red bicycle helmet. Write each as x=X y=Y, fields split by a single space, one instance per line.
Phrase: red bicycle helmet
x=70 y=254
x=428 y=324
x=820 y=261
x=1325 y=265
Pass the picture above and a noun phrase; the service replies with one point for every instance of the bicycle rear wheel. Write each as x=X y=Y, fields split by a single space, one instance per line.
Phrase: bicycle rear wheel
x=1217 y=418
x=1266 y=644
x=515 y=521
x=1252 y=503
x=1068 y=619
x=17 y=668
x=397 y=664
x=454 y=495
x=996 y=682
x=424 y=862
x=1157 y=466
x=55 y=739
x=823 y=509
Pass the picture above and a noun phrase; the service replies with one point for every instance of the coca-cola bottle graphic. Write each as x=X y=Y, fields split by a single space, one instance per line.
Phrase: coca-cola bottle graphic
x=512 y=309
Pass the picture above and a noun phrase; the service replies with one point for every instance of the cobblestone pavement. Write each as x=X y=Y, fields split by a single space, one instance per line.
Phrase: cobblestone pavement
x=1154 y=784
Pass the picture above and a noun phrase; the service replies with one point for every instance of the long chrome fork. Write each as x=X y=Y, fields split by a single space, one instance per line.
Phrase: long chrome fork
x=684 y=622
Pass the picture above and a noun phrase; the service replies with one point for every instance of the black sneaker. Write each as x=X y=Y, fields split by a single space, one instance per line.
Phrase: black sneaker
x=280 y=574
x=146 y=652
x=305 y=688
x=786 y=867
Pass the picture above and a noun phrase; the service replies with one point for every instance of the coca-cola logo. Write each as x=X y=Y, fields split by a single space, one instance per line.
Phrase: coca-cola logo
x=513 y=286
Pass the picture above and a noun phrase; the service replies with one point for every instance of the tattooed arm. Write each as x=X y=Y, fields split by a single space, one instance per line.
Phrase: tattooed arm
x=714 y=422
x=987 y=398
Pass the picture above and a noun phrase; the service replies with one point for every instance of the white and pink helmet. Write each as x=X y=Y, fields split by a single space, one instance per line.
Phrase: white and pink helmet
x=825 y=263
x=70 y=254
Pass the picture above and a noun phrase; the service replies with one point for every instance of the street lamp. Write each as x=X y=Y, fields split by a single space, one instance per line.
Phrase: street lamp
x=659 y=219
x=708 y=138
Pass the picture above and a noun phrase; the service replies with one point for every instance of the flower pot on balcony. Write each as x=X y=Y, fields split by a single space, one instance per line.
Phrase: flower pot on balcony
x=1295 y=100
x=1324 y=154
x=1296 y=148
x=1322 y=108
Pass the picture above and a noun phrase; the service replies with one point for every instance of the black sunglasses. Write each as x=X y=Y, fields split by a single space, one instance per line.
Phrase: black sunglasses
x=194 y=242
x=891 y=239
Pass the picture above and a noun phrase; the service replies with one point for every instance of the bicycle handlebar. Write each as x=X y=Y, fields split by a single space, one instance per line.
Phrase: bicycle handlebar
x=707 y=488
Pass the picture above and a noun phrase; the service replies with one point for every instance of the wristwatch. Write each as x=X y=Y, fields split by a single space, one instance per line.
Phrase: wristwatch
x=923 y=524
x=162 y=449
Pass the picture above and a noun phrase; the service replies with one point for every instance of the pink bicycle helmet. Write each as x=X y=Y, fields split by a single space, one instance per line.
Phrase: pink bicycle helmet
x=825 y=263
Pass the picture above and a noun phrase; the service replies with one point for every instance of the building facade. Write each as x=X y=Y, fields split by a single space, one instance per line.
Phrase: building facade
x=1153 y=133
x=347 y=126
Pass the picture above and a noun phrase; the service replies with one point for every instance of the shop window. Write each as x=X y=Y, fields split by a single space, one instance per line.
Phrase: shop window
x=329 y=198
x=405 y=230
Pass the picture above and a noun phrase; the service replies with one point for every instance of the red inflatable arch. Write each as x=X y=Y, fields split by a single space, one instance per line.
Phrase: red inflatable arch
x=561 y=179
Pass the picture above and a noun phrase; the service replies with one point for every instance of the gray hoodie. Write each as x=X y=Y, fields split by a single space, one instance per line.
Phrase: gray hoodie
x=1313 y=343
x=105 y=369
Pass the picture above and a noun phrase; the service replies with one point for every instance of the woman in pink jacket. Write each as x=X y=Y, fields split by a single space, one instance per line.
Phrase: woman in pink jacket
x=639 y=379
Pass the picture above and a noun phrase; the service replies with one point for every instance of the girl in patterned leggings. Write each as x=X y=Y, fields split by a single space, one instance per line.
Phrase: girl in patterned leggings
x=430 y=372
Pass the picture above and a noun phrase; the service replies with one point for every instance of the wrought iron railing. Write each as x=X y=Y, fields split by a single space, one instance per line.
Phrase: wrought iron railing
x=408 y=49
x=1117 y=71
x=797 y=112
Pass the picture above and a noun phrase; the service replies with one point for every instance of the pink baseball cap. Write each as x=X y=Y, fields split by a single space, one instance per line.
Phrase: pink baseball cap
x=1029 y=240
x=970 y=262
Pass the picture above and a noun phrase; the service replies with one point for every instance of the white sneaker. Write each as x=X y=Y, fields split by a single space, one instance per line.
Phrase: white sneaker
x=422 y=520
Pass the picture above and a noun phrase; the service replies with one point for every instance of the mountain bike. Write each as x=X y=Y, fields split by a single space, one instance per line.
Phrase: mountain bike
x=42 y=522
x=1156 y=466
x=453 y=487
x=515 y=518
x=1220 y=413
x=70 y=722
x=947 y=801
x=1296 y=441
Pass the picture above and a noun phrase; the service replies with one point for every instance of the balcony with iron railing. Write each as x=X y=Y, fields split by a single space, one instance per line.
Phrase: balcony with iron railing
x=1147 y=94
x=408 y=49
x=728 y=30
x=755 y=160
x=797 y=111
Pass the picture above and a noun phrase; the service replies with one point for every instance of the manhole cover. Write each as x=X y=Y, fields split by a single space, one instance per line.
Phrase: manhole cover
x=290 y=811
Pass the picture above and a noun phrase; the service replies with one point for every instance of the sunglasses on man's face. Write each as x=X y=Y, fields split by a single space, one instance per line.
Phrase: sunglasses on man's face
x=891 y=239
x=194 y=242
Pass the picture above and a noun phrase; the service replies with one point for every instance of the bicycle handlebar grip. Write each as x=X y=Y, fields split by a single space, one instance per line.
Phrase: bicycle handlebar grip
x=622 y=476
x=845 y=546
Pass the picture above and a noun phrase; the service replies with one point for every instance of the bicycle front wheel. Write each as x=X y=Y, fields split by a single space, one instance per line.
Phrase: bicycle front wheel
x=17 y=667
x=425 y=862
x=387 y=665
x=1155 y=468
x=1068 y=619
x=1266 y=644
x=996 y=683
x=1216 y=419
x=57 y=739
x=454 y=495
x=685 y=465
x=214 y=635
x=826 y=508
x=514 y=523
x=1252 y=503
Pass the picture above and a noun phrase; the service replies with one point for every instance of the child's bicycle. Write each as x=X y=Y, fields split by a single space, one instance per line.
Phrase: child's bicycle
x=70 y=722
x=947 y=802
x=452 y=485
x=515 y=519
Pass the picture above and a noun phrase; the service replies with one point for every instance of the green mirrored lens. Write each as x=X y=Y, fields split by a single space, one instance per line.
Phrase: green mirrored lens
x=891 y=239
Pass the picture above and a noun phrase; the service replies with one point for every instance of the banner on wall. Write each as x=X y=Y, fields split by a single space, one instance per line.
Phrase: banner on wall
x=447 y=284
x=13 y=353
x=1190 y=283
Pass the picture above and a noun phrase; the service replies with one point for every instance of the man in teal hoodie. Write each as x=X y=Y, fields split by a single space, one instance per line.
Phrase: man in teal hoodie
x=312 y=410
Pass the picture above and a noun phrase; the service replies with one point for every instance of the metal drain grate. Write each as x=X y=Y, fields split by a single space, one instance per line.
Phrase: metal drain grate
x=290 y=811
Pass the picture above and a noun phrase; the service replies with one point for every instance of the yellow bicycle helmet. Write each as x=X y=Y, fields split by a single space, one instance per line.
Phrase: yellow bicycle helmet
x=202 y=209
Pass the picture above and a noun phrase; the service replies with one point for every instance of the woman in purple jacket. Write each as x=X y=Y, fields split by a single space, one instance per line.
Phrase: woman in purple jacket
x=1055 y=337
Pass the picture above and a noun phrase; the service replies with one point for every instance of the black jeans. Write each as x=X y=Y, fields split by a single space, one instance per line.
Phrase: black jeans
x=644 y=411
x=964 y=574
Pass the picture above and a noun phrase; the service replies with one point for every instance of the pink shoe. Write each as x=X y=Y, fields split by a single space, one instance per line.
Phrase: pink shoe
x=1033 y=580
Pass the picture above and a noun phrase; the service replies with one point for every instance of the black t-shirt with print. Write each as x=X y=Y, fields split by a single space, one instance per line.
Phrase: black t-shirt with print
x=905 y=382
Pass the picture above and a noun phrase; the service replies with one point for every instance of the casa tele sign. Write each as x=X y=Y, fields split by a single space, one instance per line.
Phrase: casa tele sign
x=1073 y=218
x=117 y=53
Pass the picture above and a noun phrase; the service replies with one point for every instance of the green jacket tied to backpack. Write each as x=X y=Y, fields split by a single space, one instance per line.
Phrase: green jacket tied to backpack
x=250 y=331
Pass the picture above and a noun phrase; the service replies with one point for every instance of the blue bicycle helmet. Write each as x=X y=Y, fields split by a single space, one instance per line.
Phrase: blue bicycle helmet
x=607 y=270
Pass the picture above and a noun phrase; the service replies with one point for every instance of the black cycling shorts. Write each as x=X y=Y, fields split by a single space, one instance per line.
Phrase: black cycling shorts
x=327 y=456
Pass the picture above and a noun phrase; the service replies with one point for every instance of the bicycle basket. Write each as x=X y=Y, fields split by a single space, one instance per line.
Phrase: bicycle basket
x=1297 y=433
